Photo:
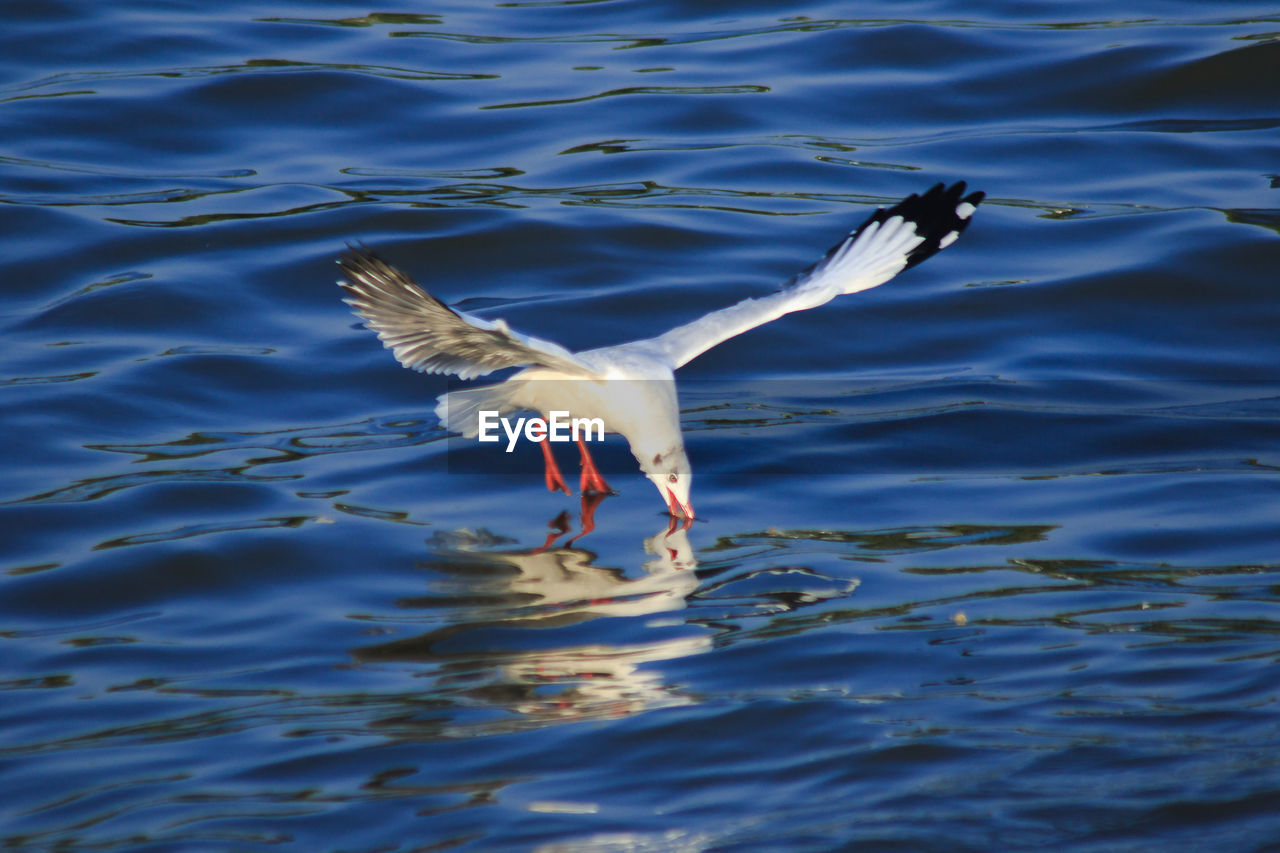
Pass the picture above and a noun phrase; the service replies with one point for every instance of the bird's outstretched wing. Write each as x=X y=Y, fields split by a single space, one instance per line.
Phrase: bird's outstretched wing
x=429 y=336
x=887 y=243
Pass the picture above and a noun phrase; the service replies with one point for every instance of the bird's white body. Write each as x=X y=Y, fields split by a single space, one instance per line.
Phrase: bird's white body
x=630 y=391
x=631 y=386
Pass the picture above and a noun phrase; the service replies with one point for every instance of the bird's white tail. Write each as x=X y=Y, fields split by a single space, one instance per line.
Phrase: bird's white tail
x=459 y=411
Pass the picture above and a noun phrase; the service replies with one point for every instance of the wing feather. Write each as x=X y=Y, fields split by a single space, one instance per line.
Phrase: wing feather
x=887 y=243
x=428 y=336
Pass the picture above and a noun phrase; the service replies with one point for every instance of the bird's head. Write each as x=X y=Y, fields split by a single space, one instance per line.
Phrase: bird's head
x=669 y=471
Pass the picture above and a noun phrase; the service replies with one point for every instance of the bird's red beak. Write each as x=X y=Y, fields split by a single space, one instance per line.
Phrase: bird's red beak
x=676 y=508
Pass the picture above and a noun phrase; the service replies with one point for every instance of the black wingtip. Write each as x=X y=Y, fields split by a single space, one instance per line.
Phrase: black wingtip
x=940 y=215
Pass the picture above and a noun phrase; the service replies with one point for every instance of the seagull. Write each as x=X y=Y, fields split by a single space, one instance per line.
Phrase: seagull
x=630 y=387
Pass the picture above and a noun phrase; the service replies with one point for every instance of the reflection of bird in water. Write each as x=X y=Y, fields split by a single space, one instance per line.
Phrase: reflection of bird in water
x=483 y=657
x=556 y=583
x=629 y=387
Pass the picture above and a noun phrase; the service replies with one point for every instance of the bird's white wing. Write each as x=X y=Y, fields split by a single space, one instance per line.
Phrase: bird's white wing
x=887 y=243
x=429 y=336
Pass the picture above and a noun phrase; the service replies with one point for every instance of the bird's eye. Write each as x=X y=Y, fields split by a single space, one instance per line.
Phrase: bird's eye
x=671 y=478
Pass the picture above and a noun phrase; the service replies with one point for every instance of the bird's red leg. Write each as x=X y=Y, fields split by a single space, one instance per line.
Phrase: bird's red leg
x=591 y=479
x=555 y=480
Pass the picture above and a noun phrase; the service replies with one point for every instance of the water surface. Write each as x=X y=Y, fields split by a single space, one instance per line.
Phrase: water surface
x=989 y=554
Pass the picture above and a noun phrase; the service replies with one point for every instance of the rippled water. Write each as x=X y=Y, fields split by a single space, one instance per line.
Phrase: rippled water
x=989 y=558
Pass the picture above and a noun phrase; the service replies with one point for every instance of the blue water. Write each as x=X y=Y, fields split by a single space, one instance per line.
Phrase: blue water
x=989 y=555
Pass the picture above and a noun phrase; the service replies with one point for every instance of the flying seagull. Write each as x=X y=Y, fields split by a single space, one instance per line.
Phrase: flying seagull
x=630 y=387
